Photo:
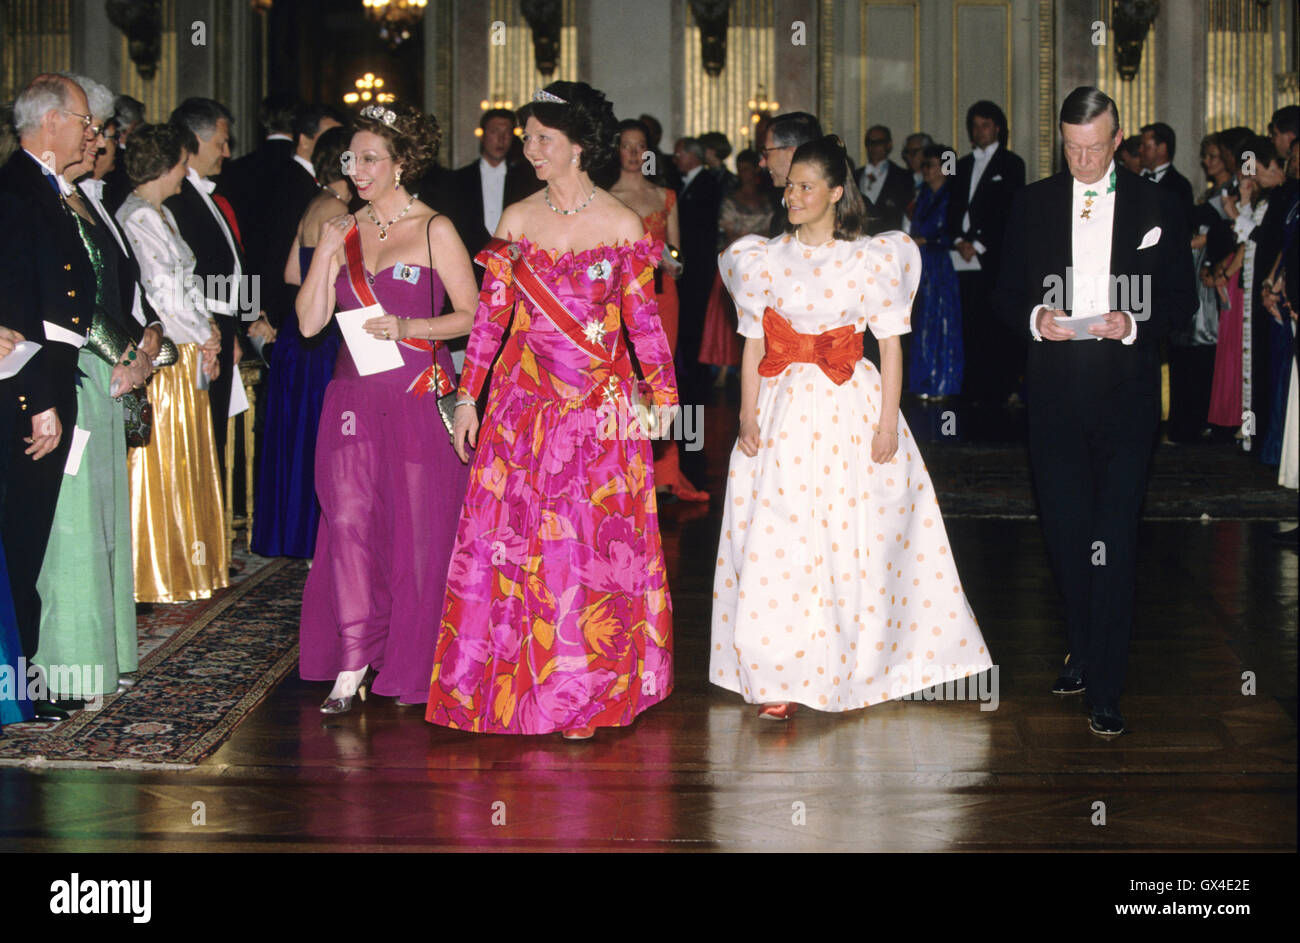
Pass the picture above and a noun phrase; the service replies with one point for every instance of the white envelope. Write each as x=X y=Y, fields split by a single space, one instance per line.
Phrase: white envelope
x=1150 y=239
x=961 y=265
x=371 y=354
x=78 y=448
x=22 y=352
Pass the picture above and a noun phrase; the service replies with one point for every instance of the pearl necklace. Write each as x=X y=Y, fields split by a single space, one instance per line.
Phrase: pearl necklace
x=571 y=212
x=383 y=227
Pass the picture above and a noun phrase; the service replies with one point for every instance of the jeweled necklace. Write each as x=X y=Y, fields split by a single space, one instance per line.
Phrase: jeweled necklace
x=577 y=209
x=383 y=227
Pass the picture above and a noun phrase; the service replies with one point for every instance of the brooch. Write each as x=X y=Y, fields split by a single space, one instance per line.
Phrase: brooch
x=598 y=271
x=594 y=331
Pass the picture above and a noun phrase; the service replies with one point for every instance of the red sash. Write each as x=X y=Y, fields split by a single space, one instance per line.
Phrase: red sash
x=432 y=380
x=836 y=351
x=533 y=288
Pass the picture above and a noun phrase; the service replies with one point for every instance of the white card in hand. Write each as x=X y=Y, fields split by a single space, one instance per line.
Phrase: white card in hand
x=79 y=439
x=371 y=354
x=238 y=396
x=961 y=265
x=1080 y=325
x=23 y=351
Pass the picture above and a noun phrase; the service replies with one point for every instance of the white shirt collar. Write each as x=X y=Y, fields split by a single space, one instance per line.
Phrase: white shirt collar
x=306 y=165
x=879 y=170
x=202 y=184
x=984 y=153
x=93 y=187
x=484 y=167
x=691 y=175
x=64 y=187
x=278 y=137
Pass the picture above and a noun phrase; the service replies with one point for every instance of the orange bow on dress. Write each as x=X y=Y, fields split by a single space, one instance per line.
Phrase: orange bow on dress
x=836 y=352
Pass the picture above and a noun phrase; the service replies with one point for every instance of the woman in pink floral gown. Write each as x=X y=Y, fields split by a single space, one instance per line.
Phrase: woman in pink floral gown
x=557 y=615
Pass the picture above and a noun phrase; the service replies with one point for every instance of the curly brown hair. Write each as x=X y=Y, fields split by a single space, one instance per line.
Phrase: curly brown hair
x=586 y=118
x=413 y=137
x=157 y=149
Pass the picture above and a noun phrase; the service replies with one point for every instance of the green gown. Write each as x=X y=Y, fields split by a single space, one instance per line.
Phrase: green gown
x=88 y=628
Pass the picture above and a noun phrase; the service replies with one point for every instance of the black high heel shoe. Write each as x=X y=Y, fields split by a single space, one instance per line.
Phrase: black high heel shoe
x=341 y=705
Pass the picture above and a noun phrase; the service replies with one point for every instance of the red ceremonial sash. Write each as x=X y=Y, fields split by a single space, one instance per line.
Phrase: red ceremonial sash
x=544 y=299
x=432 y=380
x=836 y=351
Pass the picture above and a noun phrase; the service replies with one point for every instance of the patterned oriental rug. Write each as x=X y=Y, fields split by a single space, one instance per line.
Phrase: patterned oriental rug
x=213 y=668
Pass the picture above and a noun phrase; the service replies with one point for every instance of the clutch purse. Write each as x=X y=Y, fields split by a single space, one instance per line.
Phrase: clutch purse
x=137 y=413
x=167 y=354
x=447 y=410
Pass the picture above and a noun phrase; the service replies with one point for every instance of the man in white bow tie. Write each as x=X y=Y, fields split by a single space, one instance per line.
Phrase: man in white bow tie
x=1096 y=271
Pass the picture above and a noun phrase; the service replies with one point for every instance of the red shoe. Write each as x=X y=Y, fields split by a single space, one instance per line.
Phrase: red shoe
x=683 y=490
x=579 y=733
x=782 y=711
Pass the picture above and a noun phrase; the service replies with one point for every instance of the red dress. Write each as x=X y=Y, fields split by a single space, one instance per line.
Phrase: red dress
x=667 y=471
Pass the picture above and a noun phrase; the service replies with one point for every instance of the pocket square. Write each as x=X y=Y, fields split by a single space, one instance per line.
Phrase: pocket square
x=1150 y=239
x=997 y=178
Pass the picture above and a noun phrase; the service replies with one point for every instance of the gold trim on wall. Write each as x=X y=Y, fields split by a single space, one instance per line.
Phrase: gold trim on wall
x=826 y=67
x=958 y=112
x=37 y=37
x=1046 y=88
x=916 y=59
x=159 y=93
x=721 y=103
x=1240 y=87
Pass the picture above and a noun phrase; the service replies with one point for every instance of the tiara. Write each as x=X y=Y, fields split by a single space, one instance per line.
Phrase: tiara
x=542 y=95
x=383 y=115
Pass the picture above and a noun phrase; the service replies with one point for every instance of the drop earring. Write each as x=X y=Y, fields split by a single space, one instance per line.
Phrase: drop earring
x=397 y=179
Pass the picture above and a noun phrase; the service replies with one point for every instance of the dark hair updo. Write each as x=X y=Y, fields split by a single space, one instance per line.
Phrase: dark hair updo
x=830 y=158
x=157 y=149
x=413 y=137
x=586 y=118
x=327 y=155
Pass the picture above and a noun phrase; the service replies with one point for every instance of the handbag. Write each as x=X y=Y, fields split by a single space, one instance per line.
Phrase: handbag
x=137 y=411
x=137 y=415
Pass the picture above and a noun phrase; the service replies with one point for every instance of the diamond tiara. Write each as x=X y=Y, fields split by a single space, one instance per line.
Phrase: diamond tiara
x=382 y=115
x=542 y=95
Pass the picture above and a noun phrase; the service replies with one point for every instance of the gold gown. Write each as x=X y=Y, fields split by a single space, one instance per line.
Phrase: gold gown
x=178 y=536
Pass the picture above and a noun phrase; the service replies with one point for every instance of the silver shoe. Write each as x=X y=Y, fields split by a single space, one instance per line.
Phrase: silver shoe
x=341 y=705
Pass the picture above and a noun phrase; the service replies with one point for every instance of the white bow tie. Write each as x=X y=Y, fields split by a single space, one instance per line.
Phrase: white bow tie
x=93 y=188
x=206 y=184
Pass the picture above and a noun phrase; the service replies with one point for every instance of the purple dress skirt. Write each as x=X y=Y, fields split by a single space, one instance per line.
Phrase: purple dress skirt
x=390 y=490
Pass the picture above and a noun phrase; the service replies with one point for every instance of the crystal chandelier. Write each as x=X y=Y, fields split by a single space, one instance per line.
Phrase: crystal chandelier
x=395 y=18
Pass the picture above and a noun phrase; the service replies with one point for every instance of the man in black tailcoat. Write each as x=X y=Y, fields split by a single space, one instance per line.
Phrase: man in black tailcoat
x=219 y=261
x=47 y=295
x=886 y=187
x=985 y=182
x=697 y=216
x=1094 y=240
x=475 y=195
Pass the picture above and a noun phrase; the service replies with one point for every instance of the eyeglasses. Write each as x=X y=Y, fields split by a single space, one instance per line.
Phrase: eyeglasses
x=767 y=150
x=369 y=160
x=878 y=141
x=86 y=120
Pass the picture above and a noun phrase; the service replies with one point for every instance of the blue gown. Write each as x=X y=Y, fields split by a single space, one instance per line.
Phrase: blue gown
x=285 y=510
x=937 y=361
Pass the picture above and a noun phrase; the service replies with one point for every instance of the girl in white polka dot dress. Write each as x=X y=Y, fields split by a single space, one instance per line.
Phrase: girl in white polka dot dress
x=835 y=585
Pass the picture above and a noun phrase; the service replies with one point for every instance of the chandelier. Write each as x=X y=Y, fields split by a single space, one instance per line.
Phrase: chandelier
x=395 y=18
x=760 y=107
x=369 y=89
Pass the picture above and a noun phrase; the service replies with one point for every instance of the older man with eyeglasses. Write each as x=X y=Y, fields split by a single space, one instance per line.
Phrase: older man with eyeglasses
x=47 y=296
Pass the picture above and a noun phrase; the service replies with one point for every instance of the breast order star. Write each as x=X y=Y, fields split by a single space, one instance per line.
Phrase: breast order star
x=594 y=331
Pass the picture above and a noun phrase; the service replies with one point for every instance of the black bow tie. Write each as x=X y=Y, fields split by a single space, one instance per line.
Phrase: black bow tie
x=1149 y=174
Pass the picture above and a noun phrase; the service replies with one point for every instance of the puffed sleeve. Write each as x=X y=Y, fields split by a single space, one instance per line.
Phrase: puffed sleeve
x=174 y=296
x=743 y=267
x=496 y=303
x=892 y=266
x=640 y=313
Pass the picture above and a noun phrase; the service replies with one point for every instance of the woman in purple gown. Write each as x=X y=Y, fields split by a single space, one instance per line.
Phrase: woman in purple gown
x=389 y=484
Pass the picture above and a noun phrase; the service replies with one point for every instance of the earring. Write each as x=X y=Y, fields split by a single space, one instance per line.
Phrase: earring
x=573 y=160
x=397 y=179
